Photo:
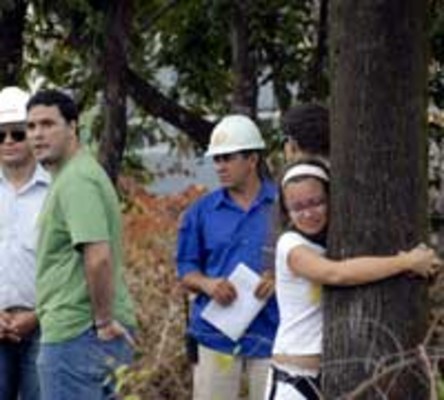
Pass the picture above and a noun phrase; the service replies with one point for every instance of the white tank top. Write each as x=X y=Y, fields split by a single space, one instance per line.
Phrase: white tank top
x=299 y=300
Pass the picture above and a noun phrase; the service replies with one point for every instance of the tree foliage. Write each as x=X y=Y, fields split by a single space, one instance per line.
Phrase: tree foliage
x=179 y=56
x=189 y=39
x=436 y=37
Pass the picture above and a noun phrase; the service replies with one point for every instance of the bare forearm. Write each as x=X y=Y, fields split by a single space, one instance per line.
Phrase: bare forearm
x=369 y=269
x=101 y=290
x=196 y=282
x=354 y=271
x=99 y=277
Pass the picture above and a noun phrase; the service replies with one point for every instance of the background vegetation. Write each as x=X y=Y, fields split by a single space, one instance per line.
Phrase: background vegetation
x=134 y=65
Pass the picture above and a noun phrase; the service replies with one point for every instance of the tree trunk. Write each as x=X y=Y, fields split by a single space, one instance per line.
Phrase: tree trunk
x=113 y=139
x=378 y=193
x=12 y=23
x=244 y=66
x=314 y=87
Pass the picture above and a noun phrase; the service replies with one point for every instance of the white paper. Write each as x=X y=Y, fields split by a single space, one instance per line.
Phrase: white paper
x=234 y=319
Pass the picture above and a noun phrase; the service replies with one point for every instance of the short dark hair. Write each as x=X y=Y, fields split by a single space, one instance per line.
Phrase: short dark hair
x=52 y=97
x=308 y=124
x=263 y=170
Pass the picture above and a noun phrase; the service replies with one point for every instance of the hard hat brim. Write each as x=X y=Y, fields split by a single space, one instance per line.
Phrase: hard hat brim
x=231 y=149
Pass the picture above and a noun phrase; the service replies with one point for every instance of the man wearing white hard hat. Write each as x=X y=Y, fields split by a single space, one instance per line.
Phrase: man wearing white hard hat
x=23 y=187
x=222 y=236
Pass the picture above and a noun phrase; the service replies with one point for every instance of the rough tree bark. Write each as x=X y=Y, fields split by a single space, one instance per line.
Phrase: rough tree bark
x=12 y=23
x=244 y=66
x=378 y=192
x=113 y=139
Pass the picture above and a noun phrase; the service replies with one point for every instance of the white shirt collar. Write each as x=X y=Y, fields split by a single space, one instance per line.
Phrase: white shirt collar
x=39 y=177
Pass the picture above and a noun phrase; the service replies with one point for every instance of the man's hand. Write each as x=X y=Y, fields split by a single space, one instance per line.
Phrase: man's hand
x=5 y=321
x=23 y=323
x=221 y=290
x=15 y=326
x=114 y=330
x=265 y=288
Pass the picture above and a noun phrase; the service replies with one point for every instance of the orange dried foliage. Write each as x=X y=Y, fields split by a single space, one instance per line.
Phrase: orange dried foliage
x=150 y=229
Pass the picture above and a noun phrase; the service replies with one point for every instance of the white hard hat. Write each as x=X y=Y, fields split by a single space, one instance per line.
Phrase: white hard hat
x=234 y=133
x=13 y=102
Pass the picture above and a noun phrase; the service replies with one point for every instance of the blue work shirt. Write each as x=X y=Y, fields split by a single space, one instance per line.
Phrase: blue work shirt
x=215 y=235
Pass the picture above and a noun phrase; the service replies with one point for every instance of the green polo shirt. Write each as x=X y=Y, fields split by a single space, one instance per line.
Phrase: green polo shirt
x=81 y=207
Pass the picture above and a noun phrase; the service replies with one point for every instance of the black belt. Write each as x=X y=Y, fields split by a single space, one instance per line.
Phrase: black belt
x=306 y=385
x=14 y=309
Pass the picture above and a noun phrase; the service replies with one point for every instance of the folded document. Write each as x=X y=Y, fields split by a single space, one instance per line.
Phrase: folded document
x=234 y=320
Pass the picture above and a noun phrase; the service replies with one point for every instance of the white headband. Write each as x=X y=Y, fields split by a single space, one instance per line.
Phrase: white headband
x=305 y=170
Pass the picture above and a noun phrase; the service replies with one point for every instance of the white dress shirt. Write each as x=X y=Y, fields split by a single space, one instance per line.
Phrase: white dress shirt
x=19 y=211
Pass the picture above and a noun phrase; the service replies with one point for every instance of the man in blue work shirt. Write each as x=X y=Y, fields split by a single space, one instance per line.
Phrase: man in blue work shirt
x=224 y=228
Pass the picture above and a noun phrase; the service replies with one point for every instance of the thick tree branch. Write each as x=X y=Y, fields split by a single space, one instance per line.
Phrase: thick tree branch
x=158 y=105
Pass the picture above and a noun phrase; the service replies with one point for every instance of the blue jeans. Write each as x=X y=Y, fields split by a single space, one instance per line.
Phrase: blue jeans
x=82 y=367
x=18 y=370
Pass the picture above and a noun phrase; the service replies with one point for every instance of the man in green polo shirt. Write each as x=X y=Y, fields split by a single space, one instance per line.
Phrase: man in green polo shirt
x=83 y=304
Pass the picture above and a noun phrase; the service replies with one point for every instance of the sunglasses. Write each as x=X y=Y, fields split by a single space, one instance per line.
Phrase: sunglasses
x=16 y=135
